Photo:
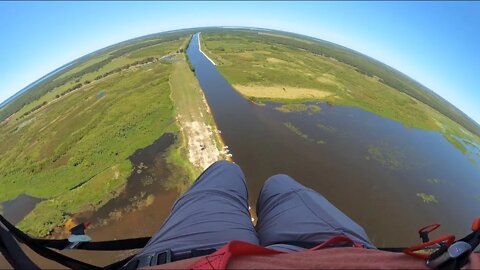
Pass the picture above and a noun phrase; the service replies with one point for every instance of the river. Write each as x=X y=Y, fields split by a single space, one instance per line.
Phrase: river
x=374 y=169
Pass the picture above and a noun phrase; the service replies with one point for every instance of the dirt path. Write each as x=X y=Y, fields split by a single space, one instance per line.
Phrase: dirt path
x=204 y=144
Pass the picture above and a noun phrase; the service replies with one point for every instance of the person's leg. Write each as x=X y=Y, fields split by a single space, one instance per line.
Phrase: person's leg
x=210 y=214
x=289 y=212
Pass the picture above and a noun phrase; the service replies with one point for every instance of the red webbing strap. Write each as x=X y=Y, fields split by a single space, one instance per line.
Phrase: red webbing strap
x=336 y=240
x=219 y=259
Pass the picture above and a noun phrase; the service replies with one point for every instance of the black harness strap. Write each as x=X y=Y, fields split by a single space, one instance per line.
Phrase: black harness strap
x=19 y=260
x=393 y=249
x=119 y=264
x=14 y=254
x=122 y=244
x=46 y=252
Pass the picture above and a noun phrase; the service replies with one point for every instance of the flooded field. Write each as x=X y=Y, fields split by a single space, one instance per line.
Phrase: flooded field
x=138 y=212
x=389 y=178
x=15 y=210
x=143 y=187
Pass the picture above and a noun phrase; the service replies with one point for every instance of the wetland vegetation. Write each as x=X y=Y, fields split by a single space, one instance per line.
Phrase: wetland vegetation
x=69 y=139
x=285 y=67
x=372 y=148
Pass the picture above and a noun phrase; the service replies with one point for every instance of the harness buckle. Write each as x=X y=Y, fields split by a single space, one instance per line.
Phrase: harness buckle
x=423 y=232
x=156 y=258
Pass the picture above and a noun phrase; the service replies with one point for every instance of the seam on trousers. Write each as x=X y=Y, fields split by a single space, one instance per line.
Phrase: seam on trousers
x=311 y=210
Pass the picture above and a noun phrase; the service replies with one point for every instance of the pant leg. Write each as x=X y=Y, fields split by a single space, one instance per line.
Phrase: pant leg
x=287 y=211
x=210 y=214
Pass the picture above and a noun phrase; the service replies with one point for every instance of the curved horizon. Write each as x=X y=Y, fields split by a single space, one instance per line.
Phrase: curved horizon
x=72 y=62
x=434 y=44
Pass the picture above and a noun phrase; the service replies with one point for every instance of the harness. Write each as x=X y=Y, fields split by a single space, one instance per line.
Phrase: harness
x=9 y=235
x=442 y=253
x=220 y=259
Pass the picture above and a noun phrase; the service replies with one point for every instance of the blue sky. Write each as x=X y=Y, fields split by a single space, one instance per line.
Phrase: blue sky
x=436 y=43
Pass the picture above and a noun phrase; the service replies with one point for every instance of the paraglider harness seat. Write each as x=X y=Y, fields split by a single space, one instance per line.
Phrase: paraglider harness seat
x=441 y=253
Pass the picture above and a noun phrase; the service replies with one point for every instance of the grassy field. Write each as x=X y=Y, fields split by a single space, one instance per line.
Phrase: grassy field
x=73 y=151
x=89 y=66
x=282 y=68
x=138 y=55
x=84 y=137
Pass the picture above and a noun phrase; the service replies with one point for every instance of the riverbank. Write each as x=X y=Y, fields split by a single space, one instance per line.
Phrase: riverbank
x=282 y=68
x=366 y=165
x=200 y=49
x=198 y=129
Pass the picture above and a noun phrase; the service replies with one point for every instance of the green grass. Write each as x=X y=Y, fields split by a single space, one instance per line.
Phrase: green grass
x=77 y=137
x=102 y=59
x=73 y=152
x=158 y=50
x=361 y=63
x=54 y=212
x=251 y=58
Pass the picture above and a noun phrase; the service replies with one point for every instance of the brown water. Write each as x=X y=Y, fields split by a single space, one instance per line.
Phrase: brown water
x=370 y=167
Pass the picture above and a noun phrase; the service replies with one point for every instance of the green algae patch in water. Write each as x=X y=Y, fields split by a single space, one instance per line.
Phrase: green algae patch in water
x=297 y=131
x=427 y=198
x=433 y=180
x=298 y=107
x=395 y=157
x=326 y=128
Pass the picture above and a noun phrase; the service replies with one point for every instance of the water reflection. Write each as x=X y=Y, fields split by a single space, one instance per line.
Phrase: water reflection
x=15 y=210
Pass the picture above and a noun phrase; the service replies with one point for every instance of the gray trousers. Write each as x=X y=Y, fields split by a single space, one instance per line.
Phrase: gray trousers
x=214 y=211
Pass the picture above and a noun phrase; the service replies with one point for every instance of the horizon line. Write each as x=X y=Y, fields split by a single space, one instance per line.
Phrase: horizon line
x=8 y=100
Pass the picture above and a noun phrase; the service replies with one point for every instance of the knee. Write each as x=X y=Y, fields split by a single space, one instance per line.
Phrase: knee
x=282 y=180
x=228 y=170
x=276 y=185
x=224 y=164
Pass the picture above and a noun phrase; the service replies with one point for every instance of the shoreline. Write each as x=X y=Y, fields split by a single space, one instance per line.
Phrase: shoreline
x=203 y=143
x=186 y=131
x=219 y=139
x=200 y=49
